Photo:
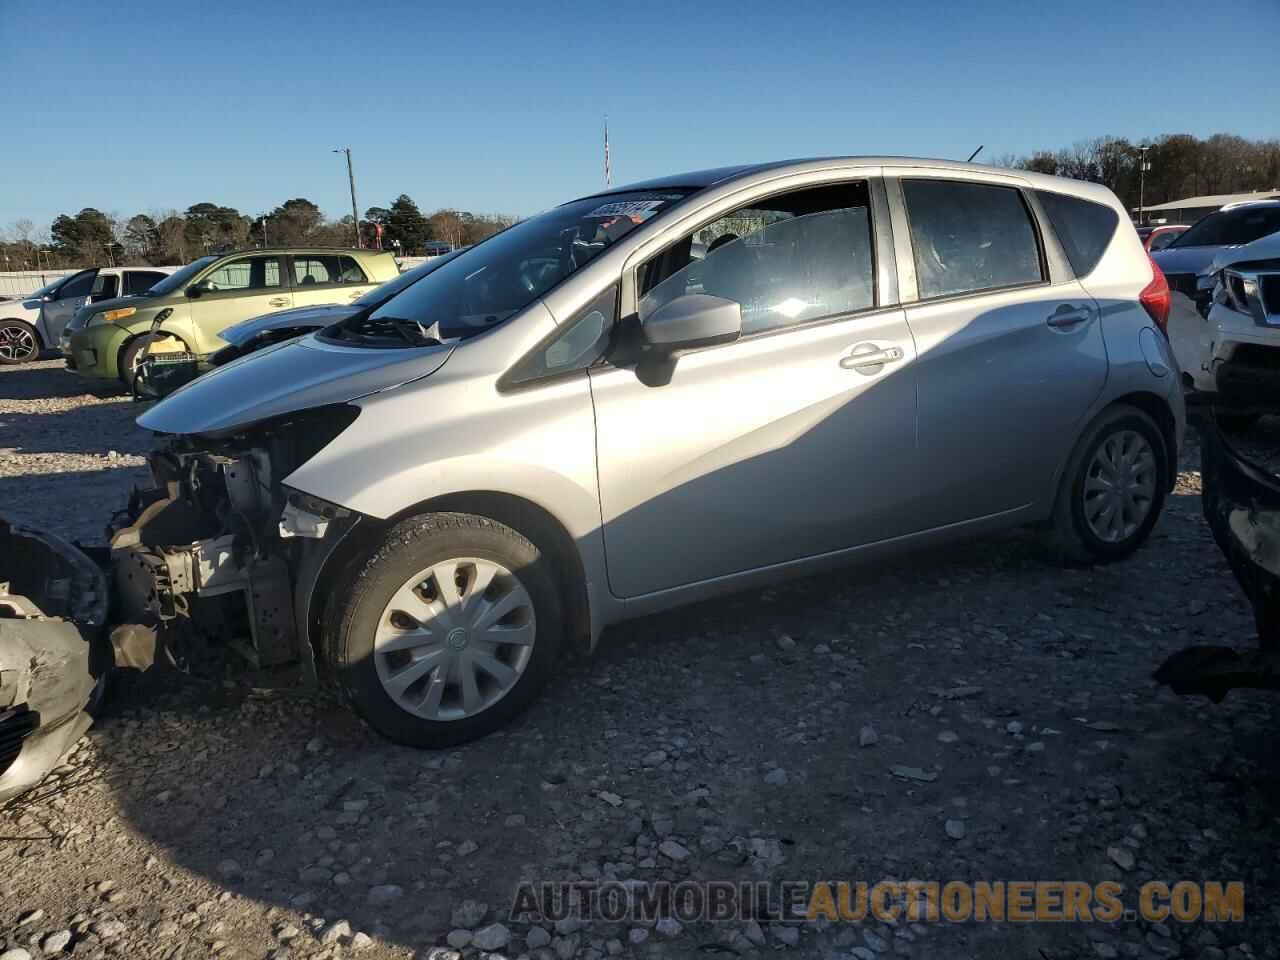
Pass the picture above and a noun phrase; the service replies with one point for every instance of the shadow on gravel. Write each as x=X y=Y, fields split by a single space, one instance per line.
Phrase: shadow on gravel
x=108 y=426
x=41 y=381
x=735 y=728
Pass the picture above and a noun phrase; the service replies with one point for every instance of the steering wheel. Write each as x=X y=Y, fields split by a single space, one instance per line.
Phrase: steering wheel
x=538 y=274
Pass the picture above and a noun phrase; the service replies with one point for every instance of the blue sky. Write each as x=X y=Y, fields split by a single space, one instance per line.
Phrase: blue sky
x=142 y=106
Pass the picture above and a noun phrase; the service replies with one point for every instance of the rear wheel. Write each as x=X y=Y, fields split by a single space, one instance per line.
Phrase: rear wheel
x=1114 y=486
x=447 y=632
x=18 y=342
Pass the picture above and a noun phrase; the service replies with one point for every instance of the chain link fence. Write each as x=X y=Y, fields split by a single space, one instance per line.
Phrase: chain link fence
x=19 y=283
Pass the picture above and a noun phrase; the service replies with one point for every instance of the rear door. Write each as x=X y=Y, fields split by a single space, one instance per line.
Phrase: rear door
x=1011 y=353
x=236 y=290
x=327 y=278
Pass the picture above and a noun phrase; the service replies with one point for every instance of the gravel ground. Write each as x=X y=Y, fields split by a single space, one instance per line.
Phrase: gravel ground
x=978 y=713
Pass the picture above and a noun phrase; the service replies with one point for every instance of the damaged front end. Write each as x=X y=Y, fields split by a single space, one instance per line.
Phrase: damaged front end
x=53 y=605
x=221 y=553
x=1241 y=502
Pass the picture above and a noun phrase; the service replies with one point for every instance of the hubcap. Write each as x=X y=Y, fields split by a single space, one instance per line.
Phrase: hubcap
x=455 y=639
x=17 y=343
x=1120 y=486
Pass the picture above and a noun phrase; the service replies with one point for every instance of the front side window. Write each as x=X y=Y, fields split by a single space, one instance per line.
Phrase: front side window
x=576 y=345
x=794 y=258
x=250 y=273
x=969 y=237
x=487 y=284
x=1229 y=228
x=81 y=285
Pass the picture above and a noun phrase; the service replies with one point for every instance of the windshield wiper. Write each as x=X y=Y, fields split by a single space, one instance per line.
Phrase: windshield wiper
x=413 y=332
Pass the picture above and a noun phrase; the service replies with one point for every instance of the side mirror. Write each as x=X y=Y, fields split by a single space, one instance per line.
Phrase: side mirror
x=692 y=320
x=194 y=291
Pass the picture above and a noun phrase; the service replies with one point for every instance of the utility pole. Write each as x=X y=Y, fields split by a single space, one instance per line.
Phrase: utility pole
x=1143 y=166
x=351 y=180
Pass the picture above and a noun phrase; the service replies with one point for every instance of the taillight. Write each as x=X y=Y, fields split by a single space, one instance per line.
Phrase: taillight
x=1156 y=298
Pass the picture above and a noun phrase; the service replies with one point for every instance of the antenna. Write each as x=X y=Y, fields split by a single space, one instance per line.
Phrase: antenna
x=608 y=163
x=975 y=153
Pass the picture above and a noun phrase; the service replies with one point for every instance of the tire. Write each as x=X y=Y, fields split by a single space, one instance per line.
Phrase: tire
x=19 y=343
x=1235 y=422
x=1129 y=431
x=382 y=603
x=129 y=355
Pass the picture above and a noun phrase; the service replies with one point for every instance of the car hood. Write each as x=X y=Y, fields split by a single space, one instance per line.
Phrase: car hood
x=1266 y=248
x=19 y=310
x=1187 y=259
x=315 y=318
x=285 y=378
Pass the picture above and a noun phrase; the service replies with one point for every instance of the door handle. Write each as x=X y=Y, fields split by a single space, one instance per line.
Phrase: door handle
x=1068 y=316
x=870 y=358
x=278 y=301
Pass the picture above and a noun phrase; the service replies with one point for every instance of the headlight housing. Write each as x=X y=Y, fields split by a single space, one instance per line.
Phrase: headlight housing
x=111 y=316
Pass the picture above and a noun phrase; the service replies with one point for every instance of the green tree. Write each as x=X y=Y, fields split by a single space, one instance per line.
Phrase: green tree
x=141 y=238
x=86 y=238
x=406 y=223
x=212 y=227
x=294 y=222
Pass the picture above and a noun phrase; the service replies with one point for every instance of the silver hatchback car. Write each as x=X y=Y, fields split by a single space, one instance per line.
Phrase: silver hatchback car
x=651 y=395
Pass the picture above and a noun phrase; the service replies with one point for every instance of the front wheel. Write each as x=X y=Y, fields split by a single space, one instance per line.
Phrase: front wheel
x=1114 y=486
x=18 y=343
x=449 y=630
x=131 y=358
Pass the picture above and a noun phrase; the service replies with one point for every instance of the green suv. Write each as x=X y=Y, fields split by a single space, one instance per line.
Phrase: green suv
x=106 y=340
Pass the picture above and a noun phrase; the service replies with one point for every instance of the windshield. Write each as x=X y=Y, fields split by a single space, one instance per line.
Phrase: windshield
x=179 y=279
x=407 y=279
x=488 y=283
x=1229 y=228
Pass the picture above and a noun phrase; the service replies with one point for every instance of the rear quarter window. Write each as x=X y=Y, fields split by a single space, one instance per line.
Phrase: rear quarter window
x=1084 y=228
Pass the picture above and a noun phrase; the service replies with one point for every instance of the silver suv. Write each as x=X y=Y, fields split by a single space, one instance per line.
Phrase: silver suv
x=652 y=395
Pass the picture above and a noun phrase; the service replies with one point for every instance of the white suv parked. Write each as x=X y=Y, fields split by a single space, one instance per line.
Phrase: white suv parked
x=34 y=323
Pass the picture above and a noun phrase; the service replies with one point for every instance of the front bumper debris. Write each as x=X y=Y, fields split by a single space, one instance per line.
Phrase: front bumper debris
x=219 y=555
x=1241 y=503
x=53 y=606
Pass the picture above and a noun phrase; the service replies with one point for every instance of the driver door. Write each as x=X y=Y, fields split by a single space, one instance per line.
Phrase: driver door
x=237 y=290
x=779 y=446
x=69 y=298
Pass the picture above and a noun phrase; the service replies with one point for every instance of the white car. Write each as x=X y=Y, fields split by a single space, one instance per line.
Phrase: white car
x=33 y=324
x=1186 y=260
x=1238 y=347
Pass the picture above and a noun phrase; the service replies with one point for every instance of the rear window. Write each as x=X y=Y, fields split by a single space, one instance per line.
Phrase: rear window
x=1084 y=228
x=319 y=268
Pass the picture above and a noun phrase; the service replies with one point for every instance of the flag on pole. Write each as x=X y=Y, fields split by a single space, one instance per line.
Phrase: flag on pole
x=608 y=164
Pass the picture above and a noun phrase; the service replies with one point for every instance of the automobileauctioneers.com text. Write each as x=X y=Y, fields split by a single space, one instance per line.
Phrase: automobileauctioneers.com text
x=917 y=901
